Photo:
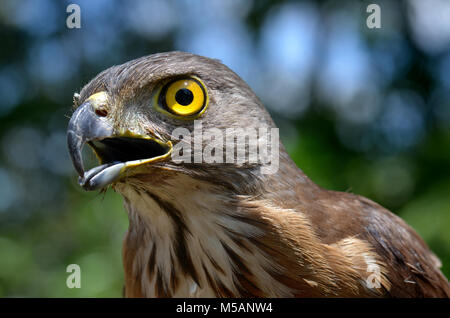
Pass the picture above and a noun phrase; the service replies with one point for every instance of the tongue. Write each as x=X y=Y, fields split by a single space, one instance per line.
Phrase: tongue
x=100 y=176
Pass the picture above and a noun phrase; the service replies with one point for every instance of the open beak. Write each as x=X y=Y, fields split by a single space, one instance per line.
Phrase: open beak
x=116 y=152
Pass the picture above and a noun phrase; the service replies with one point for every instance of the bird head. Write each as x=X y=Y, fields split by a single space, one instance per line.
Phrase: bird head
x=129 y=115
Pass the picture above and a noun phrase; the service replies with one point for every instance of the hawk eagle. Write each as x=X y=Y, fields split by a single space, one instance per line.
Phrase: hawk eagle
x=210 y=228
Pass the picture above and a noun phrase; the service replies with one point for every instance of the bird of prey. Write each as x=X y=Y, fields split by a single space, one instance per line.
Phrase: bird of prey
x=206 y=228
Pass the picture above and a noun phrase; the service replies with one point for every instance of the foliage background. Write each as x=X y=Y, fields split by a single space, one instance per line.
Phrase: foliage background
x=361 y=110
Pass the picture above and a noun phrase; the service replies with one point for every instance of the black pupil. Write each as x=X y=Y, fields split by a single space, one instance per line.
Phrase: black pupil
x=184 y=96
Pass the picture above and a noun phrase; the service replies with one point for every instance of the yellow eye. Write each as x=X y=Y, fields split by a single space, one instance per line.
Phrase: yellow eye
x=184 y=97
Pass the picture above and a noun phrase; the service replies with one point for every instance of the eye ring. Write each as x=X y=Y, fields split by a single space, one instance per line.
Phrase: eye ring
x=183 y=98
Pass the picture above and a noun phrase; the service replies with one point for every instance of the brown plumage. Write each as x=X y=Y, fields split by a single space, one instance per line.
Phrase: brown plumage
x=226 y=229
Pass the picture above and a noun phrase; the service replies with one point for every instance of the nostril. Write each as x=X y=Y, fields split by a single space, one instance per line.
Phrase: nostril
x=101 y=112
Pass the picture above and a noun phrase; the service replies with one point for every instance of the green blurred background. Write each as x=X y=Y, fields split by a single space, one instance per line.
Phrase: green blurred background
x=360 y=110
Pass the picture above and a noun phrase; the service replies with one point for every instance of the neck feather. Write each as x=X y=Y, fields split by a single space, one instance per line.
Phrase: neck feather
x=205 y=242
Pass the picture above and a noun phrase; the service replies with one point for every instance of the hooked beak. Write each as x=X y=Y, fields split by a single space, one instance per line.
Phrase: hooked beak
x=117 y=152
